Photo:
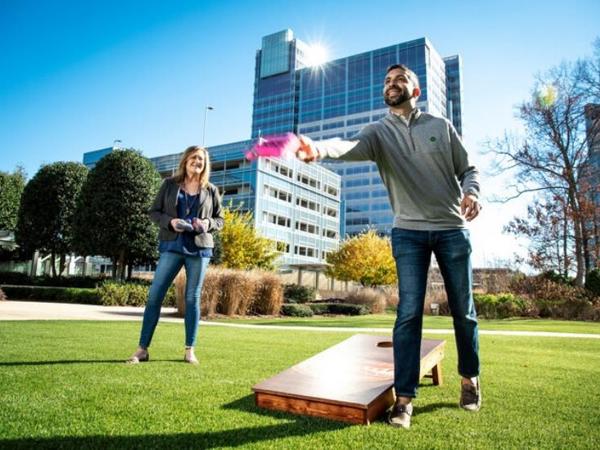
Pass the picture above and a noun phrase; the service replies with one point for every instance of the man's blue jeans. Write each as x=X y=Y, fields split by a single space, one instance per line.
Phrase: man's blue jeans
x=412 y=251
x=167 y=268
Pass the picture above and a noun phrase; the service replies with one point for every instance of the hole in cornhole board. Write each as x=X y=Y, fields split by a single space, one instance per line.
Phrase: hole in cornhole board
x=351 y=381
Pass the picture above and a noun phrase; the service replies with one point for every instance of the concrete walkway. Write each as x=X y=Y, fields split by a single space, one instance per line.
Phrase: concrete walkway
x=15 y=310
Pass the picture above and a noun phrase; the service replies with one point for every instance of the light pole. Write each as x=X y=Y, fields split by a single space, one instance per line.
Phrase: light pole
x=208 y=108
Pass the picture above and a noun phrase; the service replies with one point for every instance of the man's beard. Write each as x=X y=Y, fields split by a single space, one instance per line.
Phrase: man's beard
x=396 y=100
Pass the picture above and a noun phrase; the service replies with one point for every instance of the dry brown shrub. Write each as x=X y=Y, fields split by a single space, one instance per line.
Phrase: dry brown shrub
x=180 y=292
x=211 y=292
x=269 y=295
x=373 y=299
x=238 y=289
x=436 y=295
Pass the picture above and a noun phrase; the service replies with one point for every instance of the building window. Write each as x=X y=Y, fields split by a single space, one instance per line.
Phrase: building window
x=304 y=203
x=331 y=190
x=331 y=234
x=309 y=181
x=331 y=212
x=307 y=227
x=306 y=251
x=277 y=220
x=278 y=194
x=278 y=168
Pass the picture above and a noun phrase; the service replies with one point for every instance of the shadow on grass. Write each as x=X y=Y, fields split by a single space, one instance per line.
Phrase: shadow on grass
x=58 y=362
x=83 y=361
x=235 y=437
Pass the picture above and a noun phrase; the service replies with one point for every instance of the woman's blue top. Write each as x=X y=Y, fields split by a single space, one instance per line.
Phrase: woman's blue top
x=187 y=209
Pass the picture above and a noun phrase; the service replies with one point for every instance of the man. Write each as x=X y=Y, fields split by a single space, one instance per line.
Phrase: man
x=432 y=189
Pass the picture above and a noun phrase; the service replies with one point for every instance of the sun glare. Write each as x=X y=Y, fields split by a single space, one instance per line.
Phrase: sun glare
x=317 y=55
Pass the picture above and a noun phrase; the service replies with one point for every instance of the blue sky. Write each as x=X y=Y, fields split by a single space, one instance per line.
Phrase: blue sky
x=77 y=75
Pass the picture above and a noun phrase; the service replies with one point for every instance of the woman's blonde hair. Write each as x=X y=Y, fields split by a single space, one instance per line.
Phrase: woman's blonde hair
x=204 y=176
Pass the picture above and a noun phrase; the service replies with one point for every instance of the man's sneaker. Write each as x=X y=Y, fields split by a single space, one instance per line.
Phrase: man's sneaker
x=399 y=415
x=470 y=396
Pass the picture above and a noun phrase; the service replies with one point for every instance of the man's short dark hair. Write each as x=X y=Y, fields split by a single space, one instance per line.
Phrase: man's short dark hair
x=411 y=75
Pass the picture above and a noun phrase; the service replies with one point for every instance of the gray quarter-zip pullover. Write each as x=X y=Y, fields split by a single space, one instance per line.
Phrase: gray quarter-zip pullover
x=423 y=164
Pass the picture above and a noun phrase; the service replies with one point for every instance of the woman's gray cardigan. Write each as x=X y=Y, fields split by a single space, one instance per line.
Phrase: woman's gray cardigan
x=164 y=209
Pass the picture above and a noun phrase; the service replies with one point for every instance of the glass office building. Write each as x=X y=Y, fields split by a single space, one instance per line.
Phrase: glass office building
x=275 y=107
x=454 y=91
x=339 y=98
x=294 y=204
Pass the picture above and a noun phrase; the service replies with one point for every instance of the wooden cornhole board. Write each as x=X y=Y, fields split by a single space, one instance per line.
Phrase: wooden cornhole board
x=351 y=381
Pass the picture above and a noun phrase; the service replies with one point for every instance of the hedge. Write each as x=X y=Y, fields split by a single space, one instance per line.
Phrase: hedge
x=112 y=293
x=295 y=293
x=346 y=309
x=295 y=310
x=53 y=294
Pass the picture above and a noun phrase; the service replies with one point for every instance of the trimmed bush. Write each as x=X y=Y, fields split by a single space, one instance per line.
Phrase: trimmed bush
x=22 y=279
x=499 y=306
x=592 y=282
x=296 y=310
x=374 y=300
x=112 y=293
x=269 y=295
x=295 y=293
x=53 y=294
x=337 y=308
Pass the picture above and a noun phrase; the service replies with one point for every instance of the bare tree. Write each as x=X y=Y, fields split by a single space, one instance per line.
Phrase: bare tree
x=552 y=159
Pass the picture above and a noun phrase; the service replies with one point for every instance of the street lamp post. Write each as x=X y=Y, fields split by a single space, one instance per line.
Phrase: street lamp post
x=208 y=108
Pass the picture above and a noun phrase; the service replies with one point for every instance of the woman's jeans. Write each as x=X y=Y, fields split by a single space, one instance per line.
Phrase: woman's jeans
x=168 y=266
x=412 y=251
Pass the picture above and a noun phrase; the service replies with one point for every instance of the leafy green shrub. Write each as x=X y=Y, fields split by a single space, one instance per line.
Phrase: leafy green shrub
x=499 y=306
x=129 y=294
x=53 y=294
x=338 y=308
x=296 y=310
x=373 y=299
x=295 y=293
x=592 y=282
x=22 y=279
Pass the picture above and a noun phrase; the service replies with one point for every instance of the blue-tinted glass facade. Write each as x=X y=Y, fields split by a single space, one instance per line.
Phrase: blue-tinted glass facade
x=454 y=91
x=91 y=158
x=276 y=84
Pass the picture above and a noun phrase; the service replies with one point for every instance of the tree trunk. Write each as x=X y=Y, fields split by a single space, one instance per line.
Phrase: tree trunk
x=579 y=256
x=114 y=268
x=122 y=265
x=565 y=243
x=53 y=264
x=62 y=263
x=129 y=270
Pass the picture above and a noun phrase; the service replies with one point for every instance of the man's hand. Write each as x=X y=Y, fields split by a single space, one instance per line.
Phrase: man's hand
x=470 y=207
x=307 y=151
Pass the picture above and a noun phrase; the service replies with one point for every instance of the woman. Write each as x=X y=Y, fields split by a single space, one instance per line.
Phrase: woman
x=187 y=209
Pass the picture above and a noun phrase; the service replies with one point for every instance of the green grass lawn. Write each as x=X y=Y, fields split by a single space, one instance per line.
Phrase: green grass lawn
x=63 y=384
x=433 y=322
